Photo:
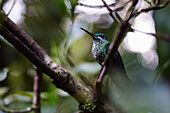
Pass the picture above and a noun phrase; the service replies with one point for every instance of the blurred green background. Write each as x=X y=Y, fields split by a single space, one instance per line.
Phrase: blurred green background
x=52 y=25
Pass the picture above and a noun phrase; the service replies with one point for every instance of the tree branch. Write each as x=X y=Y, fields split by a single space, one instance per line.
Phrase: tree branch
x=37 y=91
x=120 y=6
x=113 y=14
x=61 y=77
x=124 y=27
x=132 y=8
x=162 y=36
x=151 y=8
x=27 y=40
x=99 y=6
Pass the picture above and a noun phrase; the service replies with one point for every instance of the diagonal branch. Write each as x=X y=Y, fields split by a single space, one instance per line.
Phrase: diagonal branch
x=27 y=40
x=61 y=78
x=124 y=28
x=132 y=8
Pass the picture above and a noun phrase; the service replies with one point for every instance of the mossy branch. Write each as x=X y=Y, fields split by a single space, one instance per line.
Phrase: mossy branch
x=61 y=78
x=33 y=52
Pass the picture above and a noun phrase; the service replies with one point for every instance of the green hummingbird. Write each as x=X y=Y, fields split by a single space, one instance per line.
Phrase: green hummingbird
x=99 y=50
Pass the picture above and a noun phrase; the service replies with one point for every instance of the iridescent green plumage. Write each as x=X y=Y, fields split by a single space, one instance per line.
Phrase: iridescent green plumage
x=99 y=50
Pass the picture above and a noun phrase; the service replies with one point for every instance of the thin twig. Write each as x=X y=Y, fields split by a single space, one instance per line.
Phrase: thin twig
x=98 y=6
x=113 y=14
x=134 y=3
x=37 y=90
x=97 y=93
x=36 y=99
x=151 y=8
x=11 y=8
x=161 y=36
x=157 y=7
x=120 y=8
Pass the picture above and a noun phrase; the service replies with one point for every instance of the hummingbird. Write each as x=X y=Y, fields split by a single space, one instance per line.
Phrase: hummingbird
x=100 y=49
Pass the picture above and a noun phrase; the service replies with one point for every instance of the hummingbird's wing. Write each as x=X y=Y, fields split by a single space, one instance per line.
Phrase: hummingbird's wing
x=117 y=60
x=106 y=48
x=116 y=69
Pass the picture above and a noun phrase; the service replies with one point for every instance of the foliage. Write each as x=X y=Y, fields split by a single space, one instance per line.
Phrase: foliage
x=55 y=27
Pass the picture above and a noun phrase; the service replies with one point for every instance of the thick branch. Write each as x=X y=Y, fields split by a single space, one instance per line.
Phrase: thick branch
x=61 y=78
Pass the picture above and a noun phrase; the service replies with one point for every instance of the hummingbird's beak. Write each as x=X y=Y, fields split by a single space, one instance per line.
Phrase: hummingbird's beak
x=87 y=32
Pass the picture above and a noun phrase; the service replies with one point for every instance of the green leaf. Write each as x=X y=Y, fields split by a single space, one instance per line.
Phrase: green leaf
x=3 y=74
x=29 y=95
x=22 y=93
x=165 y=65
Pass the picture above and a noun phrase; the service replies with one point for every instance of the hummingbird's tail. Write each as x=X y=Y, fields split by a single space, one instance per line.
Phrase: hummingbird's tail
x=117 y=71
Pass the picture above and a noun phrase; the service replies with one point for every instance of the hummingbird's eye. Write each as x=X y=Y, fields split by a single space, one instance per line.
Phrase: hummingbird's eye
x=99 y=37
x=102 y=37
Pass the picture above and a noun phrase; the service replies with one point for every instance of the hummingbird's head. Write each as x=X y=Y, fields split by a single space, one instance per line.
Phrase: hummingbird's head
x=98 y=36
